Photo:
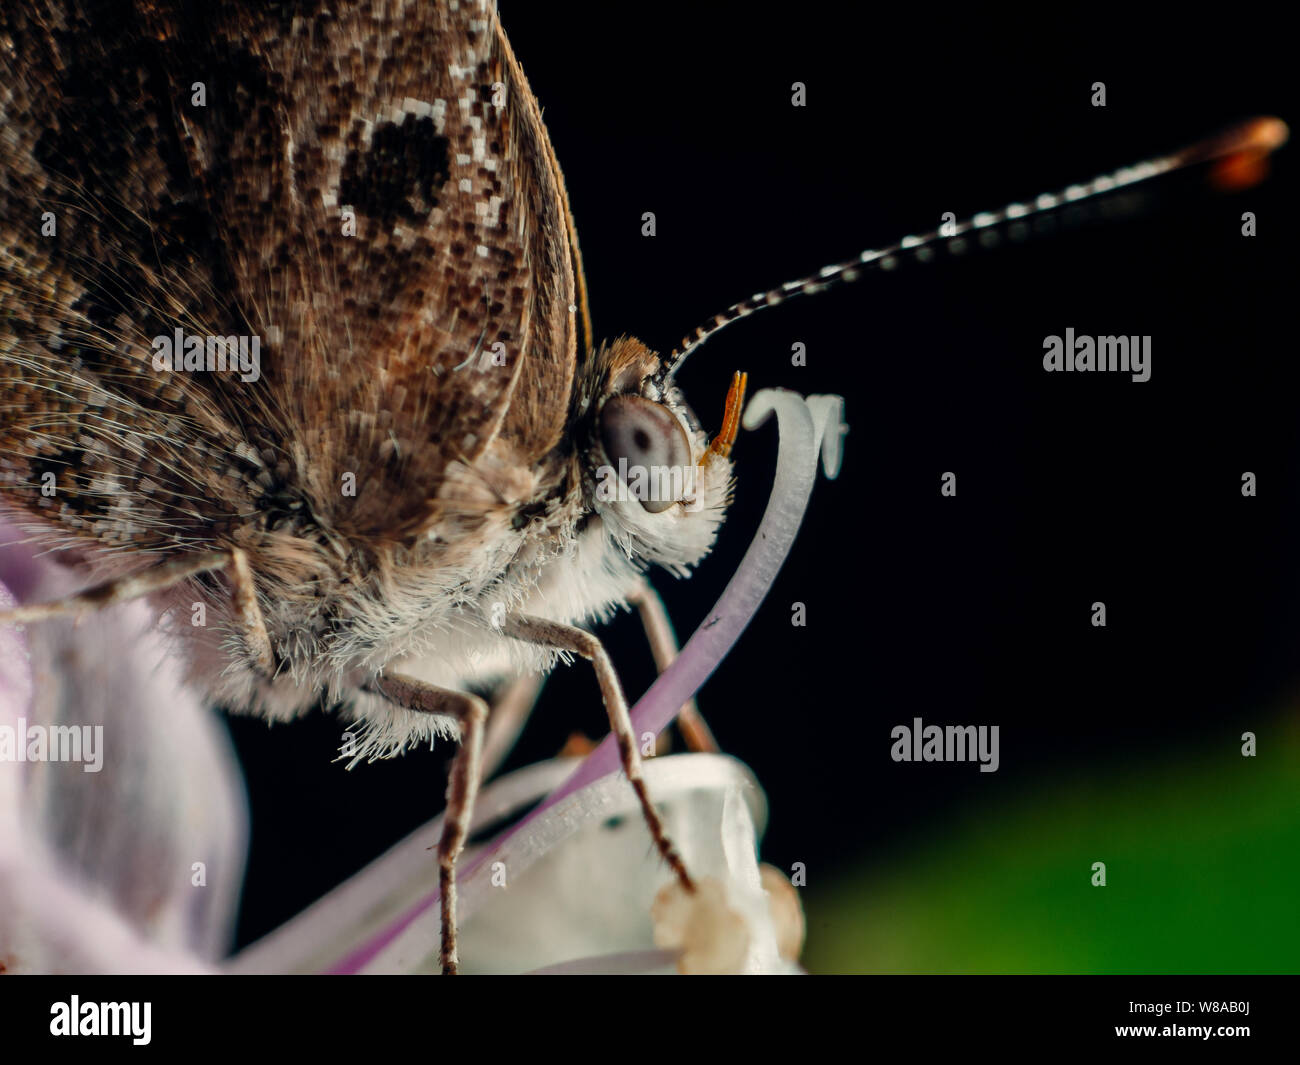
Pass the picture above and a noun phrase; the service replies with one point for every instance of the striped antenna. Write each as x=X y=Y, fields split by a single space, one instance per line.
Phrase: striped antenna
x=1237 y=155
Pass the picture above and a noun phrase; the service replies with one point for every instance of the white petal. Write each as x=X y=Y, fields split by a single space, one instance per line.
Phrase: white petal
x=573 y=893
x=99 y=868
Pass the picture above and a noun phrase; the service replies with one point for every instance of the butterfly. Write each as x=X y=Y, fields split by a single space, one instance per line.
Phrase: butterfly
x=296 y=333
x=296 y=343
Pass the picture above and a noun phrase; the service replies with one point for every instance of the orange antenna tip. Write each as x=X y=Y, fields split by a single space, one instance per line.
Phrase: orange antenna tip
x=1268 y=134
x=1243 y=153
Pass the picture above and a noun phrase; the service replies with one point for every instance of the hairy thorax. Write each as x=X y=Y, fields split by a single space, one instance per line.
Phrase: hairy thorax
x=431 y=609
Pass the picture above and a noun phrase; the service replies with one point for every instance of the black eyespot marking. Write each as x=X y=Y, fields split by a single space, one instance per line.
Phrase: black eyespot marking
x=400 y=175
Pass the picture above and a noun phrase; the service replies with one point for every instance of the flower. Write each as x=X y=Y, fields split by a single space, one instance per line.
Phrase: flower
x=131 y=866
x=136 y=868
x=575 y=895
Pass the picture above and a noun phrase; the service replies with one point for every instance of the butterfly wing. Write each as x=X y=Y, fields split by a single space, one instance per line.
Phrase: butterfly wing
x=369 y=192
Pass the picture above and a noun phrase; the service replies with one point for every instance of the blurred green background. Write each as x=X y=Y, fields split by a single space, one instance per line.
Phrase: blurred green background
x=1202 y=860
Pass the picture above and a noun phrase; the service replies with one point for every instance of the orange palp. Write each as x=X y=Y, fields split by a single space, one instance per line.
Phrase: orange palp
x=722 y=443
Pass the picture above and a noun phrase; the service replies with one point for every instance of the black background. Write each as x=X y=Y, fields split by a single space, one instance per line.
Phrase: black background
x=1071 y=488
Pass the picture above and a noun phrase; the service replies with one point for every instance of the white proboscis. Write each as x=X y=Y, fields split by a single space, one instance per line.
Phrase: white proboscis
x=570 y=888
x=406 y=941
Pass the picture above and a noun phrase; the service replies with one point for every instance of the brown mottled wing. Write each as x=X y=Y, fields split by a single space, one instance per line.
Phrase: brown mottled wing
x=366 y=188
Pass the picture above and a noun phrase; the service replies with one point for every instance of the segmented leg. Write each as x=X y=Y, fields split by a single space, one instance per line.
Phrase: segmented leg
x=567 y=638
x=663 y=645
x=157 y=579
x=511 y=706
x=462 y=788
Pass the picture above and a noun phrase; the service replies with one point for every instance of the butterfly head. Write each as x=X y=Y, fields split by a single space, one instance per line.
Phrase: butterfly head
x=658 y=482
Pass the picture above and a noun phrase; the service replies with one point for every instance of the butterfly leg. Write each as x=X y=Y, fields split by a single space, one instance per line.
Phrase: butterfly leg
x=511 y=706
x=577 y=641
x=462 y=788
x=663 y=645
x=157 y=579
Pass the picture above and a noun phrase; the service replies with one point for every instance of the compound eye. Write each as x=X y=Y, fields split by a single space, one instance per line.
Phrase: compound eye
x=646 y=435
